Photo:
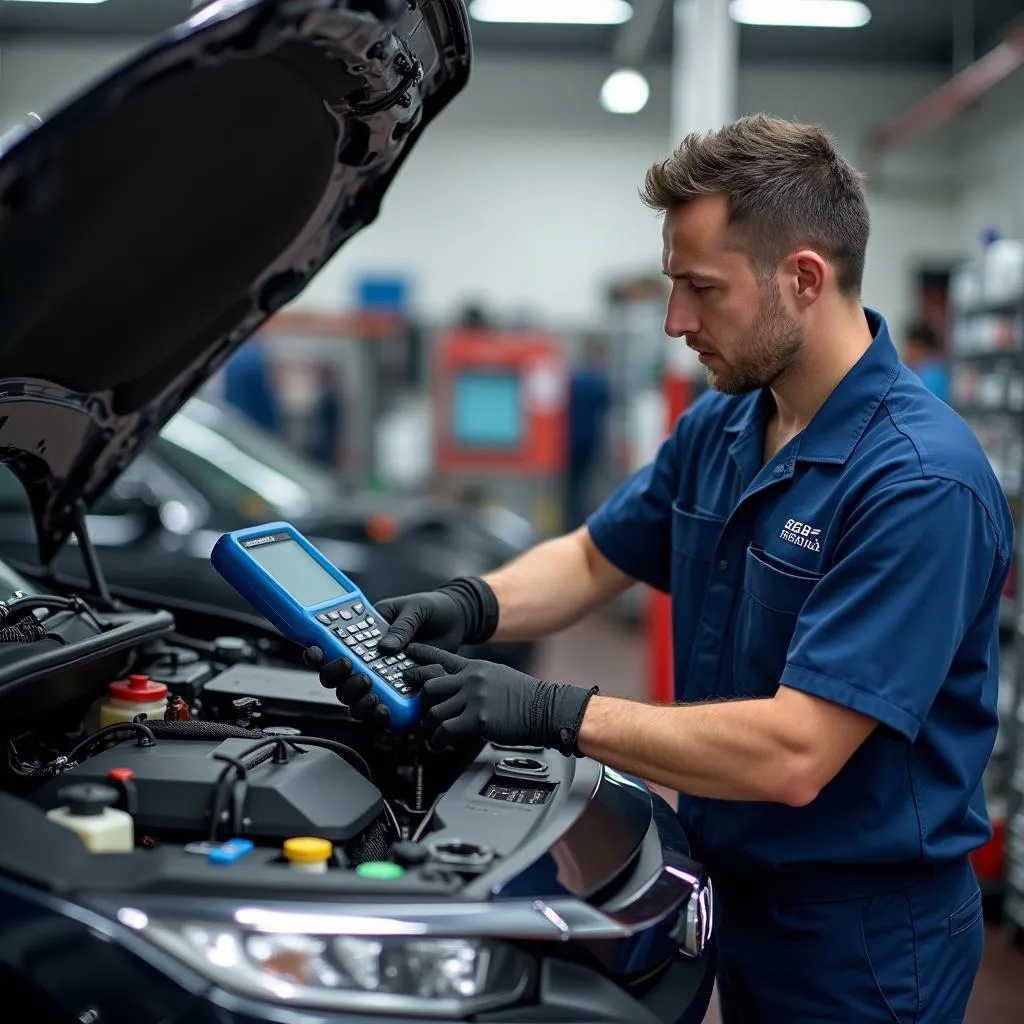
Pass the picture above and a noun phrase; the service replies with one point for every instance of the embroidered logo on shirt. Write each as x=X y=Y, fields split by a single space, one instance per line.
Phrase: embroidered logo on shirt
x=803 y=535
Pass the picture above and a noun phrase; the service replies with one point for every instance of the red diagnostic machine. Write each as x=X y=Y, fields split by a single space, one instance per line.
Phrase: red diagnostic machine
x=501 y=400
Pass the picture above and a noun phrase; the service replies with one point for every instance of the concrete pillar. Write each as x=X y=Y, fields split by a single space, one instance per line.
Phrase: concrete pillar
x=704 y=65
x=705 y=58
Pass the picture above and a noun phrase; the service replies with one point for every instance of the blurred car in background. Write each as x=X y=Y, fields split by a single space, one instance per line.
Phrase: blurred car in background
x=210 y=470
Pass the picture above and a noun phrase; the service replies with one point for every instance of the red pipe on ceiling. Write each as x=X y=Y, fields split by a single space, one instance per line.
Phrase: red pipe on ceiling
x=952 y=97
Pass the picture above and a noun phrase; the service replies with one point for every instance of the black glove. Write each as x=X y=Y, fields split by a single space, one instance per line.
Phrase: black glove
x=354 y=691
x=463 y=611
x=473 y=700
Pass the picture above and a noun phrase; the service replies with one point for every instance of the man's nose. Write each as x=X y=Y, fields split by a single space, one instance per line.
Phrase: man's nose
x=680 y=319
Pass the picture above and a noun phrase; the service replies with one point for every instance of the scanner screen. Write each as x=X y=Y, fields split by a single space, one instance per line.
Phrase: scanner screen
x=297 y=572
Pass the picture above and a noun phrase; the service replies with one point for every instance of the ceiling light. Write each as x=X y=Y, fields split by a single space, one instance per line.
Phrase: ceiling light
x=552 y=12
x=625 y=92
x=801 y=13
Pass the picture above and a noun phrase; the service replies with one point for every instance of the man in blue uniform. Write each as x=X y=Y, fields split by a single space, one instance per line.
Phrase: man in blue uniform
x=589 y=400
x=835 y=544
x=922 y=352
x=249 y=388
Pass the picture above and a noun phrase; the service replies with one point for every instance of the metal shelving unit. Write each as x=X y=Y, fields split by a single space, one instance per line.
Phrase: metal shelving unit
x=987 y=363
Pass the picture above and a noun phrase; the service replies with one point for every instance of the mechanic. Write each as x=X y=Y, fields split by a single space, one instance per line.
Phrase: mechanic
x=922 y=352
x=835 y=546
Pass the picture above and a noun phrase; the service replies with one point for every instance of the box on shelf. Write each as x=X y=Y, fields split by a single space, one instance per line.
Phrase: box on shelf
x=973 y=333
x=1002 y=273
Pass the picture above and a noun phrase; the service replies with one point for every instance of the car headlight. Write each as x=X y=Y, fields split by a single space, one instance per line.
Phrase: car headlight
x=697 y=923
x=415 y=974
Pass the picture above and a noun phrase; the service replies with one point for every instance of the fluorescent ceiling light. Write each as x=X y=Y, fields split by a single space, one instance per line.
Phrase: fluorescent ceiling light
x=801 y=13
x=625 y=92
x=552 y=12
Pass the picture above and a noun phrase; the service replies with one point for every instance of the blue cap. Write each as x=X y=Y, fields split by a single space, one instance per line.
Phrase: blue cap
x=229 y=852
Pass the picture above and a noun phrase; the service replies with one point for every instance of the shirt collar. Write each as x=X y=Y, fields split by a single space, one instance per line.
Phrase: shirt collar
x=839 y=424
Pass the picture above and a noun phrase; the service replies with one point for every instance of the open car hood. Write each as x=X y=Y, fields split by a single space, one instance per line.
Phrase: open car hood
x=152 y=224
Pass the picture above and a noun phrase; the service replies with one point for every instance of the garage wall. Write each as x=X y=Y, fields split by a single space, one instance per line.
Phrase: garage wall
x=36 y=75
x=524 y=195
x=992 y=144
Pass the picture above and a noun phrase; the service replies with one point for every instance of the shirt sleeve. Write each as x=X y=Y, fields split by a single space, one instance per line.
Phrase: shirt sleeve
x=633 y=528
x=919 y=564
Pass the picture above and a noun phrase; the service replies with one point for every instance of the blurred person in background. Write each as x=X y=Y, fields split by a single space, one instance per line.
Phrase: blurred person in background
x=326 y=420
x=922 y=353
x=474 y=316
x=589 y=400
x=249 y=385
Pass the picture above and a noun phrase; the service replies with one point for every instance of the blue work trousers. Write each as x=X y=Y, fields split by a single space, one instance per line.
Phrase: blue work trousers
x=904 y=956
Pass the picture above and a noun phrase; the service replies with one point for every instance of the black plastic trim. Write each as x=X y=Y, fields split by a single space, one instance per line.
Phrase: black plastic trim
x=35 y=666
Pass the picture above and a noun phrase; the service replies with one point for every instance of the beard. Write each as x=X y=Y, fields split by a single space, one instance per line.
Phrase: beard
x=767 y=349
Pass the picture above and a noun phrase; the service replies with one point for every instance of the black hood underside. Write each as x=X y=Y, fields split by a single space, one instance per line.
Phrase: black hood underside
x=150 y=226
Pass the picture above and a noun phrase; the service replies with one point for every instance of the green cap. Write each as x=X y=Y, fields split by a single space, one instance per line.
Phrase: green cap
x=381 y=870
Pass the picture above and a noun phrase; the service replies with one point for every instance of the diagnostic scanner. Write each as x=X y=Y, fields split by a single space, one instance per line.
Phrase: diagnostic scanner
x=312 y=602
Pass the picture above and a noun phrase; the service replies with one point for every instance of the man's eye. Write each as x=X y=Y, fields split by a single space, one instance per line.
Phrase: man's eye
x=700 y=290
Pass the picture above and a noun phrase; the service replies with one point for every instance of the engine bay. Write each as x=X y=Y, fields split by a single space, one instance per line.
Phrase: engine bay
x=161 y=756
x=248 y=759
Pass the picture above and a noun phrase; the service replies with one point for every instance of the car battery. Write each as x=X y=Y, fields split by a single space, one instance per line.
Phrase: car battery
x=285 y=695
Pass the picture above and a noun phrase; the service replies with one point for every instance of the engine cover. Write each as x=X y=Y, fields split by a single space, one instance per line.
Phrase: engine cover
x=315 y=793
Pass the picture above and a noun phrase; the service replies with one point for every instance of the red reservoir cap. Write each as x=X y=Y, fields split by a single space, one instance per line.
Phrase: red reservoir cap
x=138 y=688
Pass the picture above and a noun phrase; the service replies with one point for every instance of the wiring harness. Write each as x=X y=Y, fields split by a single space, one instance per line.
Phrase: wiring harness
x=19 y=625
x=231 y=786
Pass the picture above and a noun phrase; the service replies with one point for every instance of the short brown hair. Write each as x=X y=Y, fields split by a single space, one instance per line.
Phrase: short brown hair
x=786 y=184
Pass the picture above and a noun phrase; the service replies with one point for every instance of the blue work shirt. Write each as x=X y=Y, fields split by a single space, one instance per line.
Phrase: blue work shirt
x=863 y=564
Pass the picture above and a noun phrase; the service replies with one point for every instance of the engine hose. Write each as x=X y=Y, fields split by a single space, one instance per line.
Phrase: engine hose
x=221 y=794
x=197 y=729
x=152 y=729
x=22 y=607
x=139 y=728
x=346 y=753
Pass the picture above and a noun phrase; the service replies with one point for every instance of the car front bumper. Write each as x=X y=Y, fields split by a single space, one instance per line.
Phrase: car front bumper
x=566 y=992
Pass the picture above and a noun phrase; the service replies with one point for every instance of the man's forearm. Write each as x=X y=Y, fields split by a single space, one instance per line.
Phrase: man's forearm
x=734 y=750
x=552 y=586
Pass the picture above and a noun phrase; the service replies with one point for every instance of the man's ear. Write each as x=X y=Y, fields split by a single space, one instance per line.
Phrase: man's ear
x=806 y=276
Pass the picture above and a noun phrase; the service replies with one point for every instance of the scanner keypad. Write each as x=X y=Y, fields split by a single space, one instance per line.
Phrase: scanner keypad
x=360 y=631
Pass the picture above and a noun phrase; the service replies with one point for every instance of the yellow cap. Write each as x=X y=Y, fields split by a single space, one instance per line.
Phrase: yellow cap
x=307 y=849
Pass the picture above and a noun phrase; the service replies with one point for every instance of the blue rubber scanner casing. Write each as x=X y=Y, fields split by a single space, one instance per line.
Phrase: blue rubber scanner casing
x=330 y=624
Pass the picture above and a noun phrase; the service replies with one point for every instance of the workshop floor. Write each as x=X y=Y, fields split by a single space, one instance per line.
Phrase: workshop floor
x=604 y=652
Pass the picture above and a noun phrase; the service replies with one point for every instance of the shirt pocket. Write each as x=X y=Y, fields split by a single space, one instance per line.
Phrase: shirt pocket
x=694 y=538
x=769 y=603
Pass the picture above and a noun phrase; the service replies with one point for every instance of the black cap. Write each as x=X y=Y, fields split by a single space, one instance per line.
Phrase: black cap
x=409 y=854
x=88 y=798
